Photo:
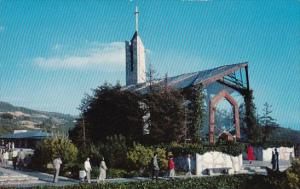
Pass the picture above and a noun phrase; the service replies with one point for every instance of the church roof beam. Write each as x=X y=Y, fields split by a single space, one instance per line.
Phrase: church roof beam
x=223 y=74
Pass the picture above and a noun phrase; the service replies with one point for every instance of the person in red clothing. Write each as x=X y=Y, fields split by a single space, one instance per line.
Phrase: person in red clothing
x=250 y=154
x=171 y=166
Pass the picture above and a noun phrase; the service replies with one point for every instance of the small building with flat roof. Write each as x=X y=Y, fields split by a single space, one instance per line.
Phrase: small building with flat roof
x=24 y=138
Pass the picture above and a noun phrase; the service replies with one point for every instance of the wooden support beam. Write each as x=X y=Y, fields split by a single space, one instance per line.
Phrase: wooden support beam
x=241 y=90
x=247 y=77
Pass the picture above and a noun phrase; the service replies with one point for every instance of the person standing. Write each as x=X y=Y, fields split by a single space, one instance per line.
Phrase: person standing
x=14 y=158
x=155 y=167
x=250 y=154
x=277 y=159
x=56 y=164
x=21 y=157
x=1 y=156
x=171 y=166
x=13 y=146
x=102 y=169
x=189 y=166
x=88 y=169
x=273 y=161
x=5 y=158
x=9 y=146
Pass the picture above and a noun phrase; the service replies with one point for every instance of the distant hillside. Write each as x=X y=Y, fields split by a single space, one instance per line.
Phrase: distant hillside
x=285 y=134
x=13 y=117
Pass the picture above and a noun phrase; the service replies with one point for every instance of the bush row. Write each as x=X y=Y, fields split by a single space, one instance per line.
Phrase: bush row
x=222 y=182
x=234 y=149
x=275 y=144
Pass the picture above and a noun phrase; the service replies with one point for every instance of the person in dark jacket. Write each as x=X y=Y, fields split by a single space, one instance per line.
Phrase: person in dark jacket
x=273 y=161
x=277 y=159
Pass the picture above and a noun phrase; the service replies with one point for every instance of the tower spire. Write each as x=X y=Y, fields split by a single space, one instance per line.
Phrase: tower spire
x=136 y=13
x=135 y=57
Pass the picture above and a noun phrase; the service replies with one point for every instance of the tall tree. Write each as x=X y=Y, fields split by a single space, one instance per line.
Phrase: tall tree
x=268 y=122
x=110 y=111
x=195 y=110
x=166 y=116
x=266 y=119
x=113 y=111
x=254 y=131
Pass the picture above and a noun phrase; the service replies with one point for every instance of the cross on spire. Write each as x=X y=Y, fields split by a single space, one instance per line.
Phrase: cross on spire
x=136 y=13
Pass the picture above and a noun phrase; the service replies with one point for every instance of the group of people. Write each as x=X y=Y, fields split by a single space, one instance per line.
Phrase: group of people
x=18 y=158
x=102 y=170
x=87 y=168
x=8 y=145
x=171 y=167
x=5 y=152
x=4 y=157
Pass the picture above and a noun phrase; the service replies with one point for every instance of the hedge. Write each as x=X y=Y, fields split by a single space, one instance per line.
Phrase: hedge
x=231 y=149
x=223 y=182
x=275 y=144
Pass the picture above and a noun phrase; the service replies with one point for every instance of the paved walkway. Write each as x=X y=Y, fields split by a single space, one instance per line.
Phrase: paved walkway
x=259 y=167
x=27 y=178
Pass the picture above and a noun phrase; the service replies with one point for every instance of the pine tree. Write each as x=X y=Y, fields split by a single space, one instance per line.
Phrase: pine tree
x=151 y=75
x=254 y=131
x=266 y=119
x=195 y=112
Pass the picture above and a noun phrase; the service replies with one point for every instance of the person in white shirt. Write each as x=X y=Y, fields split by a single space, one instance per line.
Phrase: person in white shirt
x=56 y=164
x=15 y=158
x=189 y=165
x=88 y=169
x=21 y=158
x=13 y=146
x=5 y=158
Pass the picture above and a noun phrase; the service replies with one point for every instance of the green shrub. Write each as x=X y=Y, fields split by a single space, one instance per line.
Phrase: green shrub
x=114 y=151
x=133 y=173
x=216 y=182
x=293 y=174
x=139 y=158
x=94 y=152
x=234 y=149
x=116 y=173
x=49 y=149
x=275 y=144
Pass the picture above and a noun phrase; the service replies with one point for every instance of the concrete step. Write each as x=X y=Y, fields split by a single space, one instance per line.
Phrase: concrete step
x=17 y=178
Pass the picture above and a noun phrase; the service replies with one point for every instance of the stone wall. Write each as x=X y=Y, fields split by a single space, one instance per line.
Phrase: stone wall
x=216 y=159
x=181 y=163
x=285 y=153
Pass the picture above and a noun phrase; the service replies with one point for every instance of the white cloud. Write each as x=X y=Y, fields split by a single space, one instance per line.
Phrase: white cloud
x=110 y=55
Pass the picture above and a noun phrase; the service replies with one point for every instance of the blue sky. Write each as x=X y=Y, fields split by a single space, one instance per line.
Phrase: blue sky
x=52 y=52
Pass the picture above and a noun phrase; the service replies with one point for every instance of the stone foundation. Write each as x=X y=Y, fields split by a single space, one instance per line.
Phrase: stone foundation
x=216 y=159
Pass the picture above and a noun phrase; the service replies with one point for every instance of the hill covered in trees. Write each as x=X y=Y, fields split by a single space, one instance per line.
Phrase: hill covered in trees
x=14 y=117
